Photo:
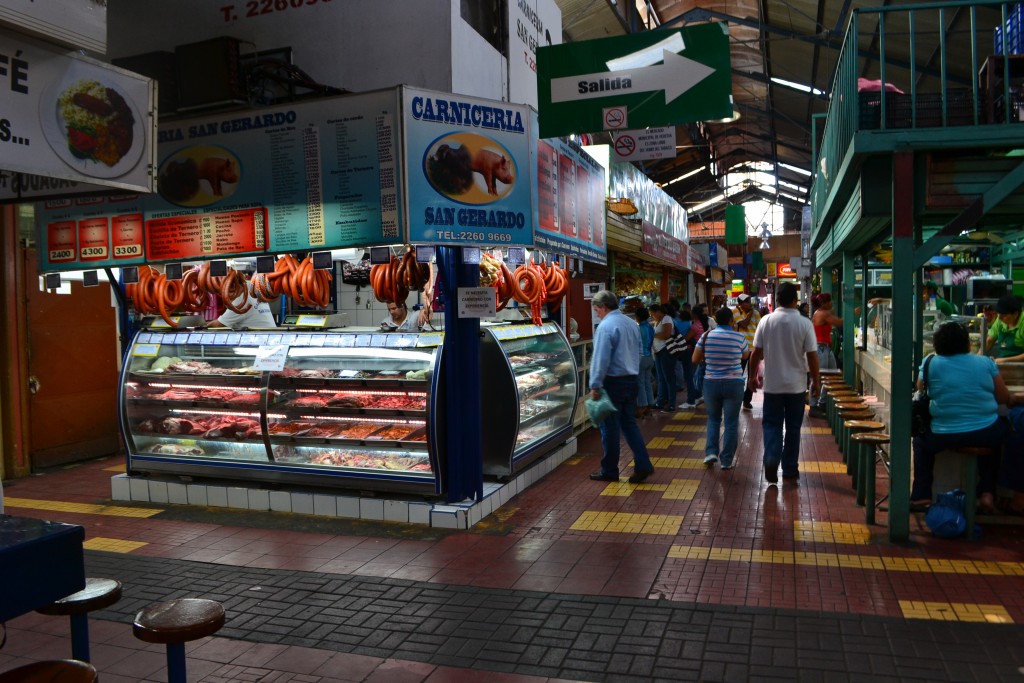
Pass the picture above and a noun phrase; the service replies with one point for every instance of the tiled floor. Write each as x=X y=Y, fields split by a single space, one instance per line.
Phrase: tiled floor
x=688 y=535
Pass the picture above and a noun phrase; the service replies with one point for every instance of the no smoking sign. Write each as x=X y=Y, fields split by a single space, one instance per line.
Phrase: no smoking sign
x=615 y=118
x=625 y=145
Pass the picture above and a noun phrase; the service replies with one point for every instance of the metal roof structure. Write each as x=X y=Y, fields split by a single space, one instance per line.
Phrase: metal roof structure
x=784 y=55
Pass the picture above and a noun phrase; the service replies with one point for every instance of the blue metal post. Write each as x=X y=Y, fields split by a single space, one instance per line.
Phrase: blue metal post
x=80 y=637
x=461 y=353
x=176 y=663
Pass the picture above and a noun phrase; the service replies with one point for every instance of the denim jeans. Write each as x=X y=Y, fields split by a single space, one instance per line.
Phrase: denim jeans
x=928 y=446
x=826 y=361
x=622 y=393
x=686 y=361
x=665 y=364
x=645 y=388
x=782 y=410
x=723 y=396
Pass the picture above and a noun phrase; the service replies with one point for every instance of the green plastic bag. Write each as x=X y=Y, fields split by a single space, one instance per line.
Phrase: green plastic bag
x=599 y=409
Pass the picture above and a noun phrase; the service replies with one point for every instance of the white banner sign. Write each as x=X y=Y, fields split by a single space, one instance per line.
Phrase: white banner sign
x=75 y=23
x=531 y=24
x=69 y=117
x=650 y=143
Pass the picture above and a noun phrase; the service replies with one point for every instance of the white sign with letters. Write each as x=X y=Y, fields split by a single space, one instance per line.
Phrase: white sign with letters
x=271 y=358
x=477 y=302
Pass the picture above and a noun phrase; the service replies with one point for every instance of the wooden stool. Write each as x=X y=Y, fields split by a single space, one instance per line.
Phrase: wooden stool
x=97 y=594
x=53 y=671
x=868 y=443
x=176 y=622
x=858 y=413
x=969 y=476
x=856 y=426
x=833 y=400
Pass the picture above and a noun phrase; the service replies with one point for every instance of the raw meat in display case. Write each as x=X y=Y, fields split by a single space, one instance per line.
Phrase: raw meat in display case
x=346 y=410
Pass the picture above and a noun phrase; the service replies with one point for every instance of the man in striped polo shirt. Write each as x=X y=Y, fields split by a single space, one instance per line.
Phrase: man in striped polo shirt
x=723 y=350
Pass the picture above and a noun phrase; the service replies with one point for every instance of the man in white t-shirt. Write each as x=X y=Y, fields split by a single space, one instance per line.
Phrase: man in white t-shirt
x=785 y=341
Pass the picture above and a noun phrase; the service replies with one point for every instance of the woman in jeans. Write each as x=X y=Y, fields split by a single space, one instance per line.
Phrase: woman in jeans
x=664 y=362
x=645 y=393
x=965 y=391
x=722 y=349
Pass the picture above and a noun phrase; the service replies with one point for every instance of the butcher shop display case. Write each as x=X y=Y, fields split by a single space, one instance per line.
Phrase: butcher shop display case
x=530 y=379
x=328 y=409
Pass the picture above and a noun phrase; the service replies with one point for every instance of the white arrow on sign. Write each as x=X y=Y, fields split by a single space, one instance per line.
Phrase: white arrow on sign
x=675 y=75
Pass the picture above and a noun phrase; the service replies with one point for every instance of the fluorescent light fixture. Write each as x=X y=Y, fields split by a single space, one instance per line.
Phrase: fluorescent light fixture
x=795 y=199
x=710 y=202
x=793 y=186
x=684 y=176
x=648 y=55
x=797 y=86
x=795 y=169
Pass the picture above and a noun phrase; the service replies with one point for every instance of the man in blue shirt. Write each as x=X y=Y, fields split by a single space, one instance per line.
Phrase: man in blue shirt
x=614 y=367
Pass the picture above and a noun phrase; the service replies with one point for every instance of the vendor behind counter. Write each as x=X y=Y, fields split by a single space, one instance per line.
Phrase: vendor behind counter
x=1006 y=337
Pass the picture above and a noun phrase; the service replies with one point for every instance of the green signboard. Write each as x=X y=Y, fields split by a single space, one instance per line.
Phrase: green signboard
x=656 y=78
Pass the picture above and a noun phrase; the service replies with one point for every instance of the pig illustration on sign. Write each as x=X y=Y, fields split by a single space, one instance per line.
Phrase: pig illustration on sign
x=199 y=176
x=217 y=170
x=493 y=167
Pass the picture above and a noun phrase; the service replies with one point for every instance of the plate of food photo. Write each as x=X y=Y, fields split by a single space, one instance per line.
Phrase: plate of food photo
x=92 y=126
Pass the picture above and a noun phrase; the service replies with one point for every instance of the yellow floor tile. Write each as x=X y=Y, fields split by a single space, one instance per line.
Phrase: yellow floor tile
x=678 y=463
x=80 y=508
x=828 y=532
x=823 y=467
x=955 y=611
x=672 y=428
x=628 y=523
x=660 y=442
x=116 y=468
x=816 y=430
x=112 y=545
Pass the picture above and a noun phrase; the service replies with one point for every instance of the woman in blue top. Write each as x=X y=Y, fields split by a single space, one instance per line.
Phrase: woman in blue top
x=965 y=391
x=722 y=350
x=645 y=396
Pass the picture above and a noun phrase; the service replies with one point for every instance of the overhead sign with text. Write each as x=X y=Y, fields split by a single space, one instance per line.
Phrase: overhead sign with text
x=531 y=24
x=570 y=201
x=316 y=174
x=647 y=143
x=469 y=171
x=73 y=119
x=654 y=78
x=661 y=245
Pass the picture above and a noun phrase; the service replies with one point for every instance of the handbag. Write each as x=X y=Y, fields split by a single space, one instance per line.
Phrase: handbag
x=920 y=415
x=678 y=345
x=599 y=409
x=946 y=517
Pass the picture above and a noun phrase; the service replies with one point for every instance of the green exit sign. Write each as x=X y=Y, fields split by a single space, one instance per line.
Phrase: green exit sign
x=655 y=78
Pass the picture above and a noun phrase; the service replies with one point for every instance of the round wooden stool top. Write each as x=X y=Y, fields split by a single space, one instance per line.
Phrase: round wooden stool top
x=872 y=425
x=53 y=671
x=843 y=392
x=178 y=621
x=97 y=594
x=850 y=405
x=870 y=437
x=856 y=414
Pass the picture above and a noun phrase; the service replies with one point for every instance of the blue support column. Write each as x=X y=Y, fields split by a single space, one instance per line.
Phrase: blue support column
x=463 y=409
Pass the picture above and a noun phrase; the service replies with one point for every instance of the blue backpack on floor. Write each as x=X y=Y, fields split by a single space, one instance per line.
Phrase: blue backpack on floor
x=946 y=517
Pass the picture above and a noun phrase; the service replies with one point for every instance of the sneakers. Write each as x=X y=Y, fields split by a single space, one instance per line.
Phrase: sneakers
x=771 y=473
x=710 y=459
x=601 y=476
x=726 y=465
x=698 y=402
x=639 y=477
x=747 y=405
x=815 y=411
x=670 y=409
x=688 y=406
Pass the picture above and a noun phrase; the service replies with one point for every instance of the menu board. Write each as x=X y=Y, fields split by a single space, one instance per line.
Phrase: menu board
x=570 y=201
x=318 y=174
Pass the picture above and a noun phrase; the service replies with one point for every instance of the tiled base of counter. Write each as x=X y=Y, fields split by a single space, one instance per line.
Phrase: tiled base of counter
x=167 y=490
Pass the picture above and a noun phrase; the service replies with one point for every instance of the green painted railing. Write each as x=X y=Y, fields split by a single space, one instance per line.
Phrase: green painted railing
x=947 y=61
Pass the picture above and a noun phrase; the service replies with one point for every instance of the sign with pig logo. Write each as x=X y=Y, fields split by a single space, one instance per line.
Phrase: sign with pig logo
x=467 y=162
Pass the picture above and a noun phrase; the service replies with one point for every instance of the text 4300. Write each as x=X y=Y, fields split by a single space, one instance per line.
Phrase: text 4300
x=478 y=237
x=255 y=8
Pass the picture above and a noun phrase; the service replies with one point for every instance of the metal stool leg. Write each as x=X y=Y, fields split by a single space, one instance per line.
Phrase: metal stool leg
x=176 y=663
x=865 y=452
x=870 y=470
x=80 y=637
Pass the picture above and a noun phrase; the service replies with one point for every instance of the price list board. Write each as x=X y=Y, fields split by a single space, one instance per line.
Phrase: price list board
x=206 y=235
x=321 y=174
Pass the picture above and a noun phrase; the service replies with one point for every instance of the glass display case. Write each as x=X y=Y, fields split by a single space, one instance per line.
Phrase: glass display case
x=530 y=379
x=328 y=409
